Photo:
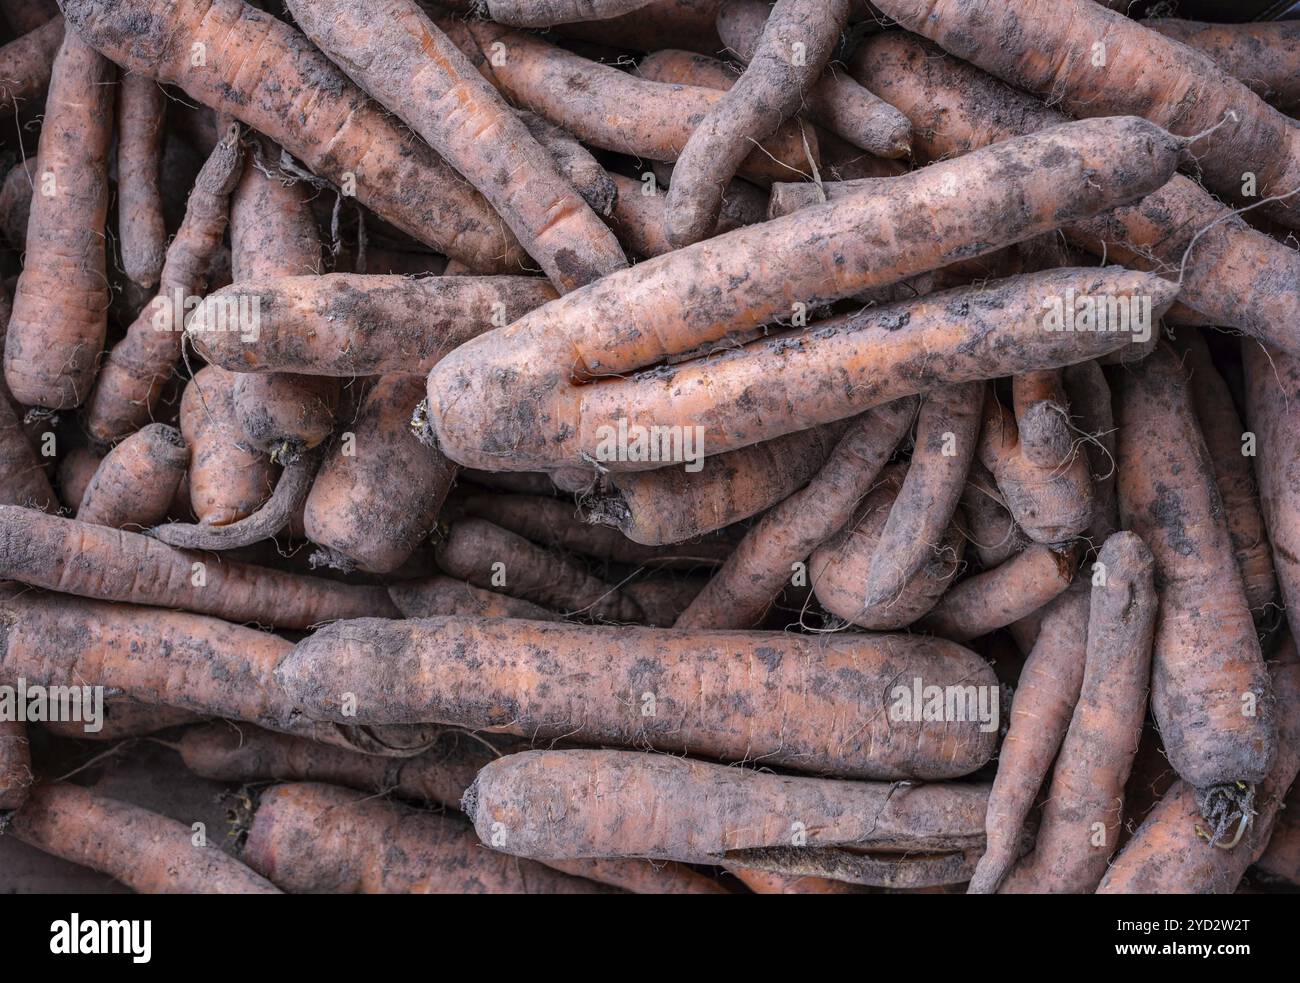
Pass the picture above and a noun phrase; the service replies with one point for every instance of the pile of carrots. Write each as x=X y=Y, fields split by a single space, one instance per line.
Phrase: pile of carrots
x=661 y=446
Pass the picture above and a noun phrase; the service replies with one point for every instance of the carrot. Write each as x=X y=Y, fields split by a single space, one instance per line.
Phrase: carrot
x=992 y=532
x=469 y=389
x=149 y=853
x=1081 y=818
x=1265 y=56
x=378 y=494
x=946 y=434
x=1215 y=713
x=1228 y=271
x=548 y=805
x=575 y=162
x=60 y=305
x=228 y=480
x=131 y=381
x=16 y=202
x=15 y=764
x=440 y=595
x=284 y=414
x=27 y=15
x=123 y=718
x=22 y=479
x=1088 y=396
x=347 y=140
x=555 y=523
x=141 y=230
x=75 y=469
x=797 y=42
x=762 y=882
x=658 y=24
x=136 y=483
x=490 y=557
x=26 y=65
x=662 y=599
x=834 y=100
x=1176 y=851
x=740 y=593
x=346 y=324
x=403 y=60
x=672 y=505
x=1187 y=94
x=1043 y=474
x=727 y=695
x=365 y=845
x=439 y=775
x=115 y=565
x=545 y=13
x=638 y=214
x=1281 y=859
x=613 y=110
x=1040 y=717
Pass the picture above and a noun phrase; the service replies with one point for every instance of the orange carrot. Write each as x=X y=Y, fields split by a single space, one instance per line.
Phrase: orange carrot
x=440 y=595
x=15 y=764
x=136 y=483
x=26 y=64
x=141 y=230
x=1264 y=56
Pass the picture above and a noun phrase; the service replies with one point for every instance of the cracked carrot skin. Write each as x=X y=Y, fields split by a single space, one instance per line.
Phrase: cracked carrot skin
x=377 y=496
x=1171 y=854
x=1049 y=50
x=815 y=704
x=262 y=72
x=1234 y=477
x=768 y=92
x=130 y=385
x=394 y=52
x=549 y=805
x=141 y=231
x=840 y=568
x=740 y=593
x=439 y=776
x=1040 y=716
x=546 y=13
x=15 y=764
x=1264 y=56
x=149 y=853
x=363 y=845
x=1207 y=657
x=349 y=324
x=834 y=100
x=1235 y=275
x=613 y=110
x=136 y=482
x=476 y=551
x=26 y=64
x=60 y=305
x=504 y=401
x=75 y=557
x=1085 y=801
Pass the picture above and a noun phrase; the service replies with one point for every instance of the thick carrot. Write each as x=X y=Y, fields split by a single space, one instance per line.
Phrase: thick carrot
x=364 y=845
x=141 y=231
x=638 y=214
x=1264 y=55
x=347 y=139
x=1006 y=197
x=379 y=491
x=131 y=380
x=136 y=483
x=549 y=805
x=1227 y=443
x=60 y=305
x=76 y=467
x=947 y=431
x=228 y=479
x=401 y=58
x=346 y=324
x=1209 y=689
x=841 y=566
x=124 y=717
x=115 y=565
x=440 y=595
x=26 y=64
x=1145 y=74
x=15 y=764
x=834 y=100
x=740 y=593
x=1172 y=852
x=613 y=110
x=1040 y=716
x=149 y=853
x=787 y=700
x=490 y=557
x=1081 y=818
x=1229 y=271
x=797 y=42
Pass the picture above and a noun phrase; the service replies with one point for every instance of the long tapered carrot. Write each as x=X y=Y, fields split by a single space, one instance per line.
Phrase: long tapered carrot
x=205 y=48
x=1265 y=56
x=812 y=704
x=141 y=105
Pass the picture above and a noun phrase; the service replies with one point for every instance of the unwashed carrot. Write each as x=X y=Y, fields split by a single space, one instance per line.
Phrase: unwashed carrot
x=141 y=230
x=136 y=482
